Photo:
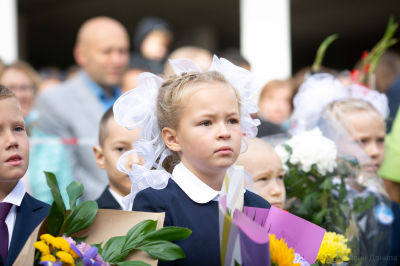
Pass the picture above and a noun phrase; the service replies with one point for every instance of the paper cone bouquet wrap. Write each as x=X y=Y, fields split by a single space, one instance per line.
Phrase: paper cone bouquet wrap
x=257 y=236
x=86 y=236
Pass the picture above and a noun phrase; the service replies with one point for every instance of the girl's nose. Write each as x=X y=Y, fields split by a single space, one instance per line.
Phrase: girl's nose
x=11 y=140
x=224 y=133
x=276 y=189
x=133 y=159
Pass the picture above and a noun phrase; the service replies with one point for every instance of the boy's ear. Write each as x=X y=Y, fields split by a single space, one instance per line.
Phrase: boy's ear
x=98 y=154
x=170 y=138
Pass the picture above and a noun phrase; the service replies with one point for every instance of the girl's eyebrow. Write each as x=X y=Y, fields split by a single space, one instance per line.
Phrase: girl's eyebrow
x=212 y=114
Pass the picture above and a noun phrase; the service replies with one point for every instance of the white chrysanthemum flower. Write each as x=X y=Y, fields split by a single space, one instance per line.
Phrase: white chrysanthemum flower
x=311 y=147
x=283 y=154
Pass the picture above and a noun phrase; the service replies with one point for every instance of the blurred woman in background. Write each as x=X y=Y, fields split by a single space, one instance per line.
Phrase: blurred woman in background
x=23 y=80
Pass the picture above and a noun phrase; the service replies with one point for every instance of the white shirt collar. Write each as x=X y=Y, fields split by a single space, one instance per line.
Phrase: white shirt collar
x=17 y=194
x=117 y=197
x=194 y=188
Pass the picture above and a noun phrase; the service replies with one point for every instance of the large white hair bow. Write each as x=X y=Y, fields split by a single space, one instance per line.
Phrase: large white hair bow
x=320 y=90
x=138 y=109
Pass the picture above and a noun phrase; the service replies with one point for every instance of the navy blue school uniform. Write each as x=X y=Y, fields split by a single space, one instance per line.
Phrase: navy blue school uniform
x=107 y=201
x=188 y=202
x=395 y=247
x=29 y=214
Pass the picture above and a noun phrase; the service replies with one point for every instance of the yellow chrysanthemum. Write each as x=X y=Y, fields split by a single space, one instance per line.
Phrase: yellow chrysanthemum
x=74 y=255
x=61 y=243
x=42 y=247
x=47 y=238
x=280 y=253
x=48 y=257
x=65 y=257
x=333 y=249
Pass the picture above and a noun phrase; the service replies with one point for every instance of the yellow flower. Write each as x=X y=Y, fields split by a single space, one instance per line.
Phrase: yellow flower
x=280 y=253
x=48 y=257
x=61 y=243
x=72 y=252
x=42 y=247
x=333 y=249
x=65 y=257
x=47 y=238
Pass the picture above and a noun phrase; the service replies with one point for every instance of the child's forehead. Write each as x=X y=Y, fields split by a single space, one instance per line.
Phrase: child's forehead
x=10 y=110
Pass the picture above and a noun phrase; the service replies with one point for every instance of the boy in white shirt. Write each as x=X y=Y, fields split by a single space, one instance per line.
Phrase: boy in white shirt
x=20 y=213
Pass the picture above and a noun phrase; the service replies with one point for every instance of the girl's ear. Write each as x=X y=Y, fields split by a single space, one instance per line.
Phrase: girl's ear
x=170 y=138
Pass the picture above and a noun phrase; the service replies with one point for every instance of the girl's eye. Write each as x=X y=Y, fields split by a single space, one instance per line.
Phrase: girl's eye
x=233 y=121
x=19 y=129
x=262 y=179
x=120 y=149
x=381 y=140
x=280 y=177
x=205 y=123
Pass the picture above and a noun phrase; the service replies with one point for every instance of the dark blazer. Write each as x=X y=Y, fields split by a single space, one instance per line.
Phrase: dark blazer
x=30 y=214
x=202 y=247
x=107 y=201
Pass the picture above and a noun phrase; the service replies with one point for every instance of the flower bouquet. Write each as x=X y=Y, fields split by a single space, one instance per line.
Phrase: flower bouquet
x=314 y=181
x=257 y=236
x=87 y=236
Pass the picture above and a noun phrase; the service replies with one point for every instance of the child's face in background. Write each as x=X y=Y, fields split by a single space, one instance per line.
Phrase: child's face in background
x=275 y=106
x=209 y=132
x=14 y=144
x=118 y=141
x=265 y=167
x=370 y=131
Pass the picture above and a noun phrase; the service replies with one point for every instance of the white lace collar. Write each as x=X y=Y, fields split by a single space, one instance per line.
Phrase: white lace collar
x=194 y=188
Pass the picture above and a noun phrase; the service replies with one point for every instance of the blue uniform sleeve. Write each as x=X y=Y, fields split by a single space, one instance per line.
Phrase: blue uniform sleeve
x=148 y=201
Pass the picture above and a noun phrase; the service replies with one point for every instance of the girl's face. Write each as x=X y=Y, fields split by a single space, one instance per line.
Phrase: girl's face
x=209 y=134
x=370 y=131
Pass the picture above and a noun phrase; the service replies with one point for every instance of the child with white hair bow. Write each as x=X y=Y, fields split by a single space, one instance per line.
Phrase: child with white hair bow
x=192 y=125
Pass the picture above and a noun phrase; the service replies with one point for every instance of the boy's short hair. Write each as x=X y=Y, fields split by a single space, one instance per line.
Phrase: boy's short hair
x=7 y=93
x=103 y=125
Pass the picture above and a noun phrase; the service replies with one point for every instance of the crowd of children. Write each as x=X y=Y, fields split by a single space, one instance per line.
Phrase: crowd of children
x=187 y=131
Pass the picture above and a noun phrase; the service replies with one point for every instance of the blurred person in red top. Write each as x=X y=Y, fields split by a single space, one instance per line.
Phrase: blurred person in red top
x=73 y=109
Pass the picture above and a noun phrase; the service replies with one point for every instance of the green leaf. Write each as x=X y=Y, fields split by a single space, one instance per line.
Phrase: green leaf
x=327 y=184
x=75 y=191
x=361 y=205
x=81 y=218
x=237 y=263
x=317 y=218
x=79 y=240
x=163 y=250
x=132 y=263
x=170 y=233
x=55 y=220
x=321 y=51
x=342 y=190
x=112 y=250
x=55 y=191
x=134 y=235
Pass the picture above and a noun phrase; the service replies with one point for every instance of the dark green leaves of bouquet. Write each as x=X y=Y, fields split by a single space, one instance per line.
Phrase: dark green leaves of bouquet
x=144 y=236
x=79 y=218
x=57 y=209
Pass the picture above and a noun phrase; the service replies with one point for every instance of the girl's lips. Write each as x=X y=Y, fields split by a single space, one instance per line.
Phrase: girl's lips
x=225 y=150
x=14 y=160
x=277 y=204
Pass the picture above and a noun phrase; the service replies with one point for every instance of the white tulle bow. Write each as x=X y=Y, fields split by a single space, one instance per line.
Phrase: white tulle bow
x=138 y=109
x=320 y=90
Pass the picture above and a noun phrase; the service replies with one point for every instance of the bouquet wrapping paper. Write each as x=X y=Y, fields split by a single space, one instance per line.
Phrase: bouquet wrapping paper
x=244 y=235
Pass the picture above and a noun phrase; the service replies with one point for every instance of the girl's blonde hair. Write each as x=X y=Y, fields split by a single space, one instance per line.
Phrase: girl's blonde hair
x=174 y=95
x=340 y=109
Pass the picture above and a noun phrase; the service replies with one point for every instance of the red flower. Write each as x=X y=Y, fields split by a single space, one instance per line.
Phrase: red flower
x=364 y=55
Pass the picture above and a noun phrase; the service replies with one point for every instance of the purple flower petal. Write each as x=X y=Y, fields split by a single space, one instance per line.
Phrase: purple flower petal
x=76 y=250
x=91 y=253
x=50 y=263
x=90 y=262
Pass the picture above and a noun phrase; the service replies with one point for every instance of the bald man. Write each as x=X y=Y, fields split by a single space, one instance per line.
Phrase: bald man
x=264 y=165
x=74 y=108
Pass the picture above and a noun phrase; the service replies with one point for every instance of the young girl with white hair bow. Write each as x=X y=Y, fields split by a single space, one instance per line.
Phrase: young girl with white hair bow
x=192 y=125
